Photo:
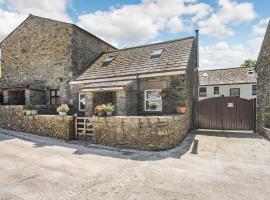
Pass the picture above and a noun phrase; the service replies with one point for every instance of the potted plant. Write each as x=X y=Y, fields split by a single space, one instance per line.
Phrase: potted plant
x=181 y=108
x=153 y=105
x=34 y=112
x=100 y=110
x=63 y=109
x=109 y=109
x=28 y=110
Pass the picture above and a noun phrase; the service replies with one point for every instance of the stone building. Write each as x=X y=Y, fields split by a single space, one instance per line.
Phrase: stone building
x=263 y=94
x=239 y=81
x=145 y=80
x=41 y=56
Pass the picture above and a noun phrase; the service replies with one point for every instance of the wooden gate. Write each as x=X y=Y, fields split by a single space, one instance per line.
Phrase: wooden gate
x=83 y=127
x=225 y=113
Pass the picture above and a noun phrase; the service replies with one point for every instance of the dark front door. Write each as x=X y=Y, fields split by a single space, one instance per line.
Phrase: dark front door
x=225 y=113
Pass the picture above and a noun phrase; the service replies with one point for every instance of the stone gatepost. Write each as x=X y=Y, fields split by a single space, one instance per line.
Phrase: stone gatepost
x=89 y=104
x=121 y=109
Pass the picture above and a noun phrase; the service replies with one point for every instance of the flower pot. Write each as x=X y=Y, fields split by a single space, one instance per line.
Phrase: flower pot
x=181 y=110
x=28 y=112
x=62 y=113
x=100 y=114
x=109 y=113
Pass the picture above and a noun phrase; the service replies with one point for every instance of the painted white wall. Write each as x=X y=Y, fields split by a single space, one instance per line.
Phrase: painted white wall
x=245 y=91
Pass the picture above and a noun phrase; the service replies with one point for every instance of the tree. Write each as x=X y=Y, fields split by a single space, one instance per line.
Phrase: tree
x=249 y=63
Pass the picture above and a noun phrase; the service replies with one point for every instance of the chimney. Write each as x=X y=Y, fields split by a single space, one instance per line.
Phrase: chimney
x=197 y=47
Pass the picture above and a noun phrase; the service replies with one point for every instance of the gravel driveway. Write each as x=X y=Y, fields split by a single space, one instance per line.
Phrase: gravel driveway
x=218 y=165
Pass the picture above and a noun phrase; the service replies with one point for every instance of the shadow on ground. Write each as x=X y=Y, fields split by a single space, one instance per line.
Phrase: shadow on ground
x=188 y=144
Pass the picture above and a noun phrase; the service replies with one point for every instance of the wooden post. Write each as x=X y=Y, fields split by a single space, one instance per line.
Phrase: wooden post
x=75 y=125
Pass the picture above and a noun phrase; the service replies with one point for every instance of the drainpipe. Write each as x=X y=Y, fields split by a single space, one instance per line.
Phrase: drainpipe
x=197 y=47
x=138 y=95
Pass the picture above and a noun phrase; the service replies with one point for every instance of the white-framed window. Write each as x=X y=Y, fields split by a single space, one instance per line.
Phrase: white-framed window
x=152 y=101
x=202 y=92
x=235 y=92
x=82 y=102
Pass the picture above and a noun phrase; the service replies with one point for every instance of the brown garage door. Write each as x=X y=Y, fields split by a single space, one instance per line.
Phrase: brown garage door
x=225 y=113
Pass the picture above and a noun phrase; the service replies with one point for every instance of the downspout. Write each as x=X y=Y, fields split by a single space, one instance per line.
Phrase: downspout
x=197 y=47
x=138 y=95
x=195 y=98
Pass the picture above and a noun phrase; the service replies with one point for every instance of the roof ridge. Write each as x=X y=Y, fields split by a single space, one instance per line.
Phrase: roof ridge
x=225 y=69
x=153 y=44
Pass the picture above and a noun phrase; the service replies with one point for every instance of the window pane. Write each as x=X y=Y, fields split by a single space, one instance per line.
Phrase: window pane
x=254 y=90
x=153 y=105
x=216 y=90
x=235 y=92
x=52 y=93
x=153 y=95
x=82 y=101
x=202 y=92
x=57 y=93
x=153 y=100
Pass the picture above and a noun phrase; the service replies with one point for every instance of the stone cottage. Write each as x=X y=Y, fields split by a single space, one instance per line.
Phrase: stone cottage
x=263 y=82
x=144 y=80
x=41 y=56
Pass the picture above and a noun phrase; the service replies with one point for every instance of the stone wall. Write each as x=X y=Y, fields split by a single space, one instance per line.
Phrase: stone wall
x=48 y=53
x=145 y=133
x=13 y=118
x=263 y=86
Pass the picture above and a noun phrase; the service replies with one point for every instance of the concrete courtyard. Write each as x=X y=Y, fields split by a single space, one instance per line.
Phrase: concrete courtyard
x=207 y=165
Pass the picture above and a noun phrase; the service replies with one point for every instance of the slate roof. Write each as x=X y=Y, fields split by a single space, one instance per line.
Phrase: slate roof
x=137 y=60
x=237 y=75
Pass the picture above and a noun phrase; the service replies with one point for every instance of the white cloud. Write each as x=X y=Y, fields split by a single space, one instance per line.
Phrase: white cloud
x=260 y=28
x=225 y=55
x=230 y=13
x=55 y=9
x=140 y=22
x=9 y=21
x=18 y=10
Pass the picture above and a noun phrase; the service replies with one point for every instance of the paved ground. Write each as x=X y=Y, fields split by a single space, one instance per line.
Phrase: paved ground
x=226 y=166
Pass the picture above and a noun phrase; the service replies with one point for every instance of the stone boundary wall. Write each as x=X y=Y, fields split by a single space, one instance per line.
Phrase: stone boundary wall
x=13 y=118
x=141 y=132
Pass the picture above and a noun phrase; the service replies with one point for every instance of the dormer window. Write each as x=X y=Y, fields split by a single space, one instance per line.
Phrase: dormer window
x=108 y=60
x=157 y=53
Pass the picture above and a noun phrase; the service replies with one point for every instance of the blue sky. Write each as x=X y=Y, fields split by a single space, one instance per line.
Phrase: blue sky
x=230 y=30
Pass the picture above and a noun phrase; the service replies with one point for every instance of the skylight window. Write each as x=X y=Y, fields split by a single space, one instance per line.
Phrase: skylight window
x=156 y=53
